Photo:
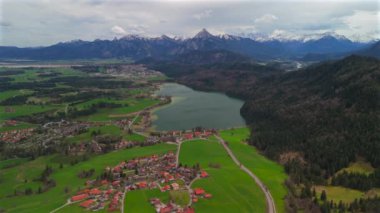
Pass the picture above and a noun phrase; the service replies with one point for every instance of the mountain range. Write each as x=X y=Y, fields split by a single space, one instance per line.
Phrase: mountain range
x=137 y=47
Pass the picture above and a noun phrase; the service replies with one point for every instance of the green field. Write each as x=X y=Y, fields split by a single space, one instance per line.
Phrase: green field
x=232 y=189
x=346 y=195
x=360 y=166
x=134 y=105
x=19 y=125
x=22 y=110
x=134 y=137
x=102 y=130
x=11 y=162
x=138 y=201
x=269 y=172
x=12 y=93
x=14 y=178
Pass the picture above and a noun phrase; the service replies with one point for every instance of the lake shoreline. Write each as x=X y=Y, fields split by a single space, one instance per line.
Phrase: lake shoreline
x=191 y=108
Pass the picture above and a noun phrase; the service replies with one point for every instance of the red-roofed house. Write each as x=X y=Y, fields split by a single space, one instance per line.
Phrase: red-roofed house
x=199 y=191
x=79 y=197
x=208 y=195
x=142 y=185
x=165 y=188
x=87 y=203
x=188 y=136
x=166 y=209
x=95 y=191
x=204 y=174
x=188 y=210
x=116 y=182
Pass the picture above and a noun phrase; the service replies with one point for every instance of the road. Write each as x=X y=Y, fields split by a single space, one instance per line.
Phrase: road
x=123 y=201
x=271 y=208
x=177 y=154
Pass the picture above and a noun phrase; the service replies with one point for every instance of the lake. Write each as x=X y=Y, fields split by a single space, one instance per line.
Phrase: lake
x=191 y=108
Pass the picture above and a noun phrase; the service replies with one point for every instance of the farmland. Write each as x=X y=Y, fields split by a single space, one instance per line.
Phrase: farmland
x=269 y=172
x=232 y=189
x=65 y=177
x=62 y=128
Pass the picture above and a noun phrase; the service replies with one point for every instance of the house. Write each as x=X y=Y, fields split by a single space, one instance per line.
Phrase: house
x=188 y=210
x=195 y=199
x=166 y=209
x=208 y=195
x=165 y=188
x=197 y=134
x=95 y=191
x=175 y=186
x=79 y=197
x=87 y=203
x=142 y=185
x=199 y=191
x=204 y=174
x=188 y=136
x=116 y=183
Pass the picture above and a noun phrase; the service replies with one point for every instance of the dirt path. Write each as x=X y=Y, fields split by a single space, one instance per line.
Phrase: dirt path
x=123 y=201
x=271 y=208
x=63 y=206
x=177 y=154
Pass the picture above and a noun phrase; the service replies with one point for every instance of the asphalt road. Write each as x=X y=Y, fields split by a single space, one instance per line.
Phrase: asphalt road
x=271 y=208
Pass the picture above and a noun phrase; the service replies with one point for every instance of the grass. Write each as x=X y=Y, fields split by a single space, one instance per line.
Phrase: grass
x=180 y=197
x=11 y=162
x=134 y=105
x=138 y=200
x=232 y=189
x=12 y=93
x=269 y=172
x=66 y=177
x=134 y=137
x=337 y=193
x=22 y=110
x=103 y=130
x=19 y=125
x=360 y=166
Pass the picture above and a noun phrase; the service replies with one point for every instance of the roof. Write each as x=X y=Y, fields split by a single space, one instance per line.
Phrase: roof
x=204 y=174
x=79 y=197
x=199 y=191
x=87 y=203
x=208 y=195
x=188 y=210
x=166 y=210
x=95 y=191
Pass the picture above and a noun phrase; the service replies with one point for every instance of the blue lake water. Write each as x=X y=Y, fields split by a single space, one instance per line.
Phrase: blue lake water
x=191 y=108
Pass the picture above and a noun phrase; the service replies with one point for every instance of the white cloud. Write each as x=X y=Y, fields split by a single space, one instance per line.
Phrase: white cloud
x=118 y=30
x=48 y=21
x=266 y=19
x=362 y=25
x=203 y=14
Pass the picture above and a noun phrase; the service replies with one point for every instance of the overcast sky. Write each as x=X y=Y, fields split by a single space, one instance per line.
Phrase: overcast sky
x=45 y=22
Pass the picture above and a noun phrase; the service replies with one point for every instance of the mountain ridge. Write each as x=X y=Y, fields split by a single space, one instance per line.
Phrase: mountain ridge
x=138 y=47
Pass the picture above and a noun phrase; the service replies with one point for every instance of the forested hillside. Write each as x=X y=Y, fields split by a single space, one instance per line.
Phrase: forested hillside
x=328 y=114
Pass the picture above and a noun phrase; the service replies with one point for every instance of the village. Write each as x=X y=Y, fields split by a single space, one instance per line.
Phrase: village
x=107 y=191
x=144 y=173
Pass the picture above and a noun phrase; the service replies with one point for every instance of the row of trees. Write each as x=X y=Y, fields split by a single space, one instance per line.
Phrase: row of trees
x=358 y=181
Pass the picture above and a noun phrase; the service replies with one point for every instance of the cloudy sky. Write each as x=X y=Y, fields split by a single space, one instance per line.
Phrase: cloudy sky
x=45 y=22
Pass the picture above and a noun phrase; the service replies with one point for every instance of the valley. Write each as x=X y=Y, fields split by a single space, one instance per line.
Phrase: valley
x=60 y=134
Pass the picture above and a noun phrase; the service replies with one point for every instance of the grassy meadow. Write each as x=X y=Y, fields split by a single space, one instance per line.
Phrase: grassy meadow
x=269 y=172
x=14 y=178
x=232 y=189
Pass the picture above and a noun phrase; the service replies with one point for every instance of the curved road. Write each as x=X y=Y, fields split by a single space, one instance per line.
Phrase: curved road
x=271 y=208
